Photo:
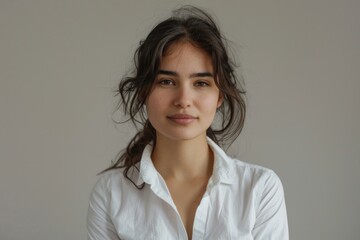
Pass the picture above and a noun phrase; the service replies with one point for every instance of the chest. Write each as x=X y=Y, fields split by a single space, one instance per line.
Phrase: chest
x=156 y=216
x=187 y=197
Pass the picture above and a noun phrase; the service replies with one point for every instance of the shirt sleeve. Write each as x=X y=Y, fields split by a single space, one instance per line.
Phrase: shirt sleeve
x=99 y=223
x=271 y=218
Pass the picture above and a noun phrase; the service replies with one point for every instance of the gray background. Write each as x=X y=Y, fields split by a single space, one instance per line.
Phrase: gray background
x=61 y=60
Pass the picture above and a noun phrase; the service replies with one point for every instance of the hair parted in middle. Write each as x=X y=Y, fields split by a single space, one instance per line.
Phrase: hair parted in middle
x=197 y=27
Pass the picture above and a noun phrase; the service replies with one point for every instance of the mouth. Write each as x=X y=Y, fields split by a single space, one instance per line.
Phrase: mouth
x=182 y=119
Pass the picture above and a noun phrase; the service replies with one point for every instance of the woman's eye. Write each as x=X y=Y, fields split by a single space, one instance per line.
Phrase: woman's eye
x=201 y=84
x=166 y=82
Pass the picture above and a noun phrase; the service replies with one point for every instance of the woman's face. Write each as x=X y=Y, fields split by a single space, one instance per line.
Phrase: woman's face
x=184 y=98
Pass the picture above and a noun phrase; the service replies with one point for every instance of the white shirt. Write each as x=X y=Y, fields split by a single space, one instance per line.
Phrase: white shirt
x=242 y=201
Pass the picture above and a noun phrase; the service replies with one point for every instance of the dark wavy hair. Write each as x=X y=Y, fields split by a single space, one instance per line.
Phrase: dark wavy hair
x=194 y=25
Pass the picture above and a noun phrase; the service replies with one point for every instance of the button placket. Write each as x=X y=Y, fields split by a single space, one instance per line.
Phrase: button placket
x=200 y=220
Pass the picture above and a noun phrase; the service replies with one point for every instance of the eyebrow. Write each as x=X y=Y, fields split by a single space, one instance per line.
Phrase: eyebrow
x=175 y=74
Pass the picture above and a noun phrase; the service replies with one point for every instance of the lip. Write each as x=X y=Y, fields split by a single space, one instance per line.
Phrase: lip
x=182 y=119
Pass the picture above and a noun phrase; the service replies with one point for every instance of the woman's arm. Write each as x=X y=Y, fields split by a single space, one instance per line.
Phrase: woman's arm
x=99 y=223
x=271 y=218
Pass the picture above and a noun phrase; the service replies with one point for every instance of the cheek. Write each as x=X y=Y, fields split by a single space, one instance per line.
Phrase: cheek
x=154 y=103
x=150 y=106
x=210 y=104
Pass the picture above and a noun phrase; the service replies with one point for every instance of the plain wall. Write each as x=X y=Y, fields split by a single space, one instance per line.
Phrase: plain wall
x=60 y=62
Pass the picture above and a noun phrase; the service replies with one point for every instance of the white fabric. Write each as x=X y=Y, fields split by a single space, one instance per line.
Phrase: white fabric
x=242 y=201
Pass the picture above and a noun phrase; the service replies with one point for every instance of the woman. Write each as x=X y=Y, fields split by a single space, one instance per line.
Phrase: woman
x=173 y=181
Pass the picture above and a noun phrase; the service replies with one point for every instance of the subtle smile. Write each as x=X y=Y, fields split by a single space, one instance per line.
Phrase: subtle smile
x=182 y=119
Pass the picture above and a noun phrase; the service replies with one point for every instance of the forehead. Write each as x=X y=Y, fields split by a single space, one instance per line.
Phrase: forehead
x=186 y=56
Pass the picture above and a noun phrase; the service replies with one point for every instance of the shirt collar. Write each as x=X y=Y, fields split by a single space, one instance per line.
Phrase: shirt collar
x=148 y=172
x=223 y=170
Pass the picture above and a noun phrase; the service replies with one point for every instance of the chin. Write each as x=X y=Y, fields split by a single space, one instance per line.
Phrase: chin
x=183 y=136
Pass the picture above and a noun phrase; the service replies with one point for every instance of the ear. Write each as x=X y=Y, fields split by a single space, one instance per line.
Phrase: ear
x=220 y=100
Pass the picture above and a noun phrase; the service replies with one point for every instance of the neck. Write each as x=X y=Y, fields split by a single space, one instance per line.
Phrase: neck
x=183 y=160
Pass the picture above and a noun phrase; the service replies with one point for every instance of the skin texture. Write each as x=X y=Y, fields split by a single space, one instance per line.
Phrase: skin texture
x=178 y=90
x=181 y=107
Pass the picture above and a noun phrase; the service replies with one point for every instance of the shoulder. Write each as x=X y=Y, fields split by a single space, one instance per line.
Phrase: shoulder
x=105 y=184
x=253 y=170
x=263 y=182
x=111 y=183
x=108 y=178
x=236 y=171
x=114 y=183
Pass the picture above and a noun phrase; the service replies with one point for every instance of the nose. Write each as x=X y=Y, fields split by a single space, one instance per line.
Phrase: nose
x=183 y=98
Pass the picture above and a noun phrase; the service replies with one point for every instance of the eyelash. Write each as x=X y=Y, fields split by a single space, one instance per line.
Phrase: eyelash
x=202 y=84
x=167 y=82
